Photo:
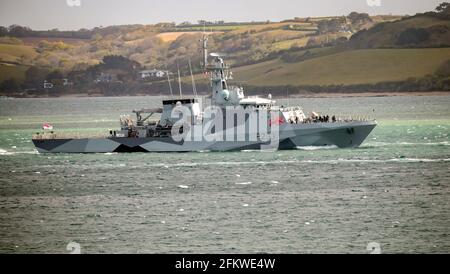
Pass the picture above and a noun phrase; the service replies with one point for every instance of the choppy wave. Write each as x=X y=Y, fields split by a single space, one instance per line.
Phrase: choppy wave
x=15 y=152
x=335 y=161
x=383 y=144
x=316 y=147
x=5 y=152
x=404 y=160
x=244 y=183
x=253 y=163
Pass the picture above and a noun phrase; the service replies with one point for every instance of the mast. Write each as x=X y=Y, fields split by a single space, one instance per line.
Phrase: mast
x=205 y=47
x=194 y=88
x=168 y=80
x=179 y=81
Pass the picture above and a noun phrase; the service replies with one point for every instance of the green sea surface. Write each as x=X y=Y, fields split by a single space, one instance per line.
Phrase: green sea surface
x=393 y=190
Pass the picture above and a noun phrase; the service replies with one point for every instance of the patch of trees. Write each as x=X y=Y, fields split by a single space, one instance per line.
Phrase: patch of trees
x=332 y=25
x=117 y=67
x=352 y=22
x=359 y=18
x=434 y=36
x=21 y=31
x=123 y=70
x=3 y=31
x=119 y=62
x=18 y=31
x=34 y=77
x=389 y=35
x=412 y=36
x=52 y=46
x=444 y=69
x=443 y=10
x=9 y=85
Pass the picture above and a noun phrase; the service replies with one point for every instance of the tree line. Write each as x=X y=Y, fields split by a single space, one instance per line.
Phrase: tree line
x=22 y=31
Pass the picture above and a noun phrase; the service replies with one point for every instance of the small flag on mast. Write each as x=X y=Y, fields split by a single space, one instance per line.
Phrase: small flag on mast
x=47 y=126
x=276 y=121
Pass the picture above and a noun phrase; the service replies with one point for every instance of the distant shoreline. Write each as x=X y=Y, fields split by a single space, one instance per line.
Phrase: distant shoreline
x=370 y=94
x=302 y=95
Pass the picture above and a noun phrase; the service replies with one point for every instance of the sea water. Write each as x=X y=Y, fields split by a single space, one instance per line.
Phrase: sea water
x=394 y=190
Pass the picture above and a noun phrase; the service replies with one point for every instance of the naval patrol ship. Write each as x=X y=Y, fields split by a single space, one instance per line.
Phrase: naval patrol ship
x=231 y=121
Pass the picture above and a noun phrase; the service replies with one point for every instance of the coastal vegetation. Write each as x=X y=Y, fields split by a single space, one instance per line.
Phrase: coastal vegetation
x=352 y=53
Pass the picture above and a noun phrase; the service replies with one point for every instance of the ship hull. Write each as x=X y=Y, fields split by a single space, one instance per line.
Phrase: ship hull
x=351 y=134
x=342 y=135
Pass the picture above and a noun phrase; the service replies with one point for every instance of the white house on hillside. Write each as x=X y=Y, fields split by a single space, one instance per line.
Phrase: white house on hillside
x=153 y=73
x=47 y=85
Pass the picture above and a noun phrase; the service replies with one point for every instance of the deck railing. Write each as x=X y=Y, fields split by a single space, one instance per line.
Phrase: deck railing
x=67 y=135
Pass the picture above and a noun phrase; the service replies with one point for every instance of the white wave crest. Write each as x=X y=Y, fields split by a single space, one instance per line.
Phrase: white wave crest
x=244 y=183
x=6 y=152
x=383 y=144
x=316 y=147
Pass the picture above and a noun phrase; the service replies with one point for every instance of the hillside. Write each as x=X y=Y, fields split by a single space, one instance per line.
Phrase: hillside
x=366 y=66
x=16 y=53
x=13 y=58
x=160 y=45
x=404 y=54
x=416 y=31
x=8 y=71
x=351 y=53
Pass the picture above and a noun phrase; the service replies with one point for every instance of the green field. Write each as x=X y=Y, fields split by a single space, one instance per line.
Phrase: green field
x=299 y=42
x=240 y=28
x=211 y=28
x=13 y=53
x=8 y=71
x=349 y=67
x=283 y=53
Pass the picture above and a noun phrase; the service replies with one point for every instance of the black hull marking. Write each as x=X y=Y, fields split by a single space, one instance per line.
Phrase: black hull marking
x=124 y=148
